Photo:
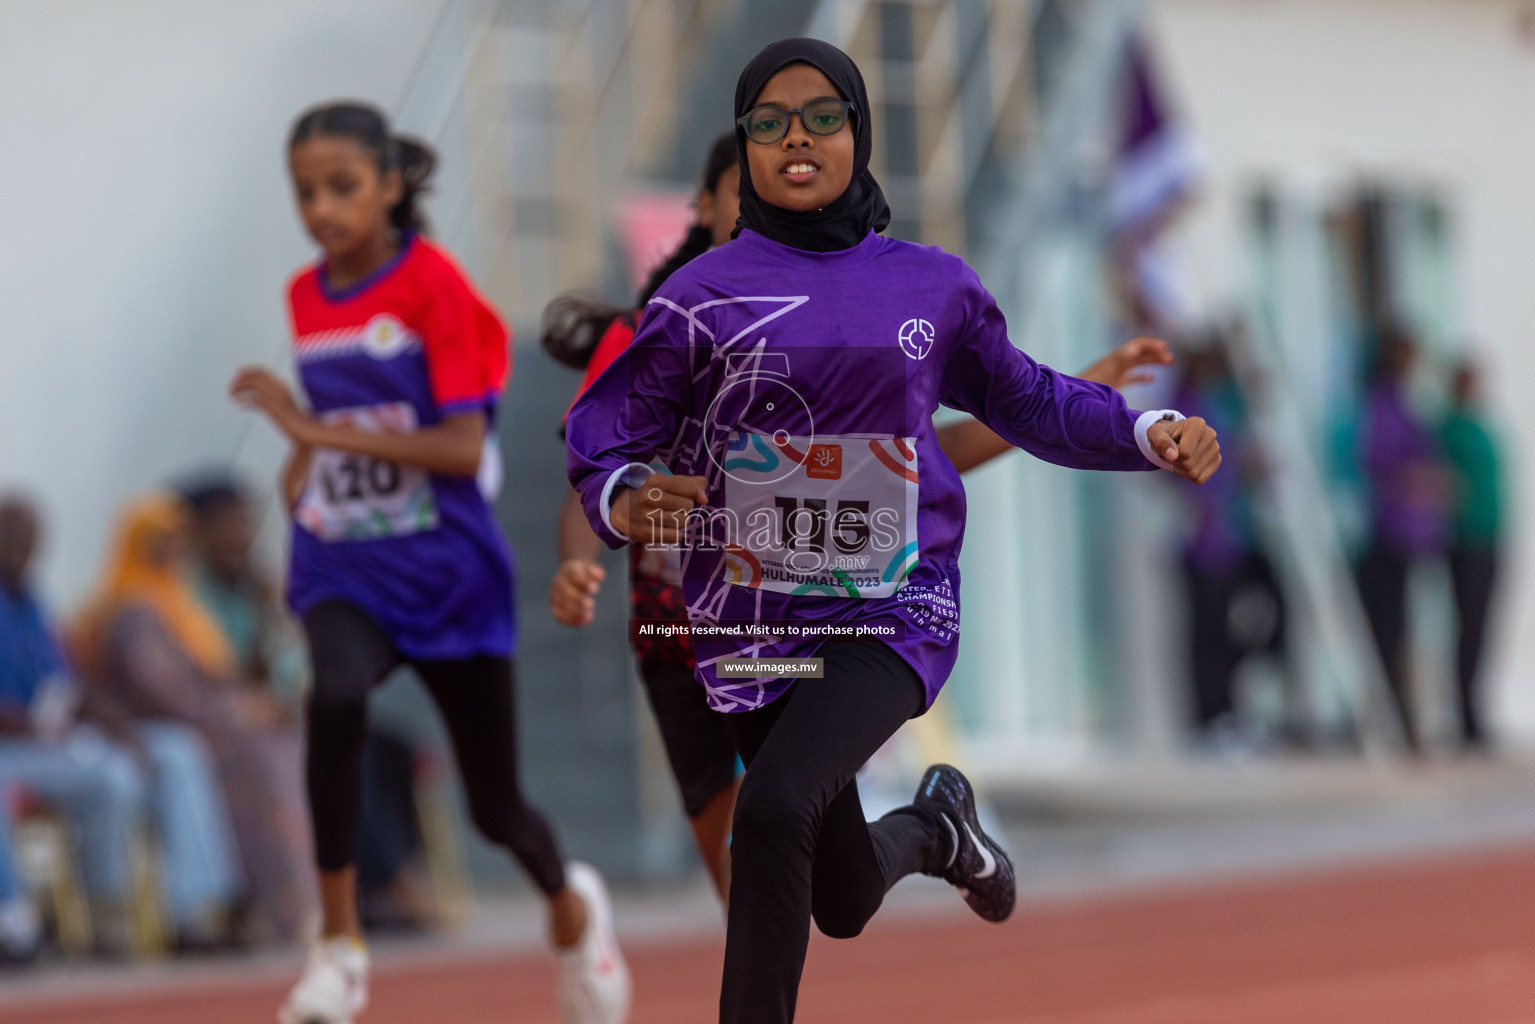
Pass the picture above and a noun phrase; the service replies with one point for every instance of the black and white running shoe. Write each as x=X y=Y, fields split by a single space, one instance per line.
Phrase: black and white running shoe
x=977 y=865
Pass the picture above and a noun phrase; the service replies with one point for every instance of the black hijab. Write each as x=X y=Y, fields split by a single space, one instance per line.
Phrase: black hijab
x=842 y=223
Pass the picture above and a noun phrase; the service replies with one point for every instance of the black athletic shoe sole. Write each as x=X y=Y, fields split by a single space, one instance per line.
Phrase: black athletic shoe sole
x=981 y=869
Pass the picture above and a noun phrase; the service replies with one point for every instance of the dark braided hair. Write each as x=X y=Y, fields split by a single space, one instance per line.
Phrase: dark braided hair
x=573 y=325
x=367 y=126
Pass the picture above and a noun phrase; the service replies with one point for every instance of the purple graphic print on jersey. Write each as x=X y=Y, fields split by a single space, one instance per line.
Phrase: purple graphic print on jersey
x=802 y=386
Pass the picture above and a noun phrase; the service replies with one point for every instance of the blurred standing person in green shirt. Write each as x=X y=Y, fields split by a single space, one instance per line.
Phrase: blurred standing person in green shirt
x=1471 y=450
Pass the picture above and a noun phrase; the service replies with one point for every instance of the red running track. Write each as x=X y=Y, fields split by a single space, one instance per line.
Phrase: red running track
x=1449 y=941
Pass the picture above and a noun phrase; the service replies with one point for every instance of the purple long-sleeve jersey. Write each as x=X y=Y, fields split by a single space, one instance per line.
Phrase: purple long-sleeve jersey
x=1408 y=513
x=802 y=386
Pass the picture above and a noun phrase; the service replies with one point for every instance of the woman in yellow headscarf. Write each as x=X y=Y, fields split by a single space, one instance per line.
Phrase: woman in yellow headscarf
x=146 y=643
x=146 y=570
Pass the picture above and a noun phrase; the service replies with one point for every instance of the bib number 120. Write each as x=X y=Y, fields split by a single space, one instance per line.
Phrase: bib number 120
x=358 y=497
x=358 y=477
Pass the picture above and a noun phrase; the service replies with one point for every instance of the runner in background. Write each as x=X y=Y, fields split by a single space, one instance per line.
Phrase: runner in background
x=589 y=336
x=788 y=382
x=396 y=556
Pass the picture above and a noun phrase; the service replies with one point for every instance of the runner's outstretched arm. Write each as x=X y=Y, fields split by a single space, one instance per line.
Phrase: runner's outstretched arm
x=970 y=443
x=1061 y=419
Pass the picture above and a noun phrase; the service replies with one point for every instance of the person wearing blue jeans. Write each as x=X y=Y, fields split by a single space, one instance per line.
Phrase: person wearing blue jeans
x=103 y=790
x=199 y=869
x=97 y=789
x=20 y=929
x=104 y=786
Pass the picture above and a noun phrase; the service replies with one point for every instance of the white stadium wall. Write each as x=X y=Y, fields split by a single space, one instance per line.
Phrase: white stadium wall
x=149 y=231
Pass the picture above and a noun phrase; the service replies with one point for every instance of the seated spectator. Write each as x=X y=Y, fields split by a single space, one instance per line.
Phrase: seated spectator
x=148 y=644
x=268 y=649
x=20 y=929
x=102 y=787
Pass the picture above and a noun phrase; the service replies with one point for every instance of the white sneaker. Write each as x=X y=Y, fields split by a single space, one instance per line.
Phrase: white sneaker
x=20 y=929
x=594 y=982
x=334 y=988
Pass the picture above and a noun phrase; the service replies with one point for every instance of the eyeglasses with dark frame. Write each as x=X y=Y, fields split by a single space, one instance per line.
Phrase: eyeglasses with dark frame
x=769 y=123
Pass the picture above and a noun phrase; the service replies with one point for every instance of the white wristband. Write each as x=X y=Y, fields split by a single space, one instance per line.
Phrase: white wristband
x=1143 y=424
x=632 y=476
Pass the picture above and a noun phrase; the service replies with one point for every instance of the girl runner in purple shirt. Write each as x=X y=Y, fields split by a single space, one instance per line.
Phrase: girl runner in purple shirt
x=788 y=380
x=589 y=336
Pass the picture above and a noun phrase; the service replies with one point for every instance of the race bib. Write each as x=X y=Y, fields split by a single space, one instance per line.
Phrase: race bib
x=838 y=519
x=355 y=497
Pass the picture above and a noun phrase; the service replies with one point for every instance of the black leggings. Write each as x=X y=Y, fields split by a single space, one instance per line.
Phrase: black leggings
x=351 y=655
x=1383 y=591
x=698 y=744
x=1473 y=574
x=801 y=848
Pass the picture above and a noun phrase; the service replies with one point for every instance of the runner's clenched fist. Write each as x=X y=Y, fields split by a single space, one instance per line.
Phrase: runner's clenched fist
x=656 y=512
x=1190 y=446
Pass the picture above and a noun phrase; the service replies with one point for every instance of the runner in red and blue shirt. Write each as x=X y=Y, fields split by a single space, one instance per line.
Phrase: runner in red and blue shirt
x=411 y=346
x=396 y=555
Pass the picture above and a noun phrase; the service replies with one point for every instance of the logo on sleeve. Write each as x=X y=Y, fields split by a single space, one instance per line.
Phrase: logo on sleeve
x=916 y=338
x=384 y=337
